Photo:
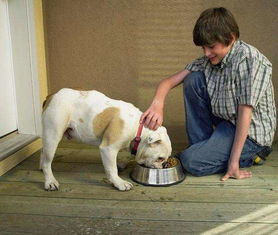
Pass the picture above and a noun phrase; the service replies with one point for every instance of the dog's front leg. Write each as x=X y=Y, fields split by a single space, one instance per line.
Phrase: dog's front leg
x=109 y=159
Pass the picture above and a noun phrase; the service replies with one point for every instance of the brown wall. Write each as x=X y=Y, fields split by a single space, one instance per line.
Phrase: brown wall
x=123 y=48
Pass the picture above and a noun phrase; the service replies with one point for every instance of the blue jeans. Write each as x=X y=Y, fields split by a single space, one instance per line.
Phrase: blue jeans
x=210 y=138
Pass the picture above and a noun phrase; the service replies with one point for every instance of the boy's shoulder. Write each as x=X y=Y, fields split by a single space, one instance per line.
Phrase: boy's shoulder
x=249 y=52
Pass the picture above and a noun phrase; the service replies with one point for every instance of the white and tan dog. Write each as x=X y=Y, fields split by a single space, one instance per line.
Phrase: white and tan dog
x=91 y=117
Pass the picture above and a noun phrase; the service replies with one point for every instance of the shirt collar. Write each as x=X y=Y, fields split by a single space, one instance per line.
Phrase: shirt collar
x=226 y=60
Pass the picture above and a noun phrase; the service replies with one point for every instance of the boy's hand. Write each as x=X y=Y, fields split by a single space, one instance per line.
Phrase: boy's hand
x=153 y=117
x=235 y=173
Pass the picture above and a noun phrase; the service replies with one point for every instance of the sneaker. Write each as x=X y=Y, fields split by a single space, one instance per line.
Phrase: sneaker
x=258 y=161
x=264 y=152
x=261 y=156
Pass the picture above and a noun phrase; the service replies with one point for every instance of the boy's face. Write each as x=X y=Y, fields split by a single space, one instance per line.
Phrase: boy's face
x=216 y=51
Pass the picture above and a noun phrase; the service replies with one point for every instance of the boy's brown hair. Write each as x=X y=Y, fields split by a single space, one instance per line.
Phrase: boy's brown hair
x=215 y=25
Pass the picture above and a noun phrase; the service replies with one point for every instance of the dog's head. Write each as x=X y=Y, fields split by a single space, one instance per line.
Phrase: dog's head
x=155 y=149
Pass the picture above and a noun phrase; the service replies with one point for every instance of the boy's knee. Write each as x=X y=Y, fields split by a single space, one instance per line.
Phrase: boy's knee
x=198 y=162
x=193 y=80
x=191 y=164
x=195 y=169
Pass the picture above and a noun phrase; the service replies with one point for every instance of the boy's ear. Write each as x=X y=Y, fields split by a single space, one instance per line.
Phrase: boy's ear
x=233 y=37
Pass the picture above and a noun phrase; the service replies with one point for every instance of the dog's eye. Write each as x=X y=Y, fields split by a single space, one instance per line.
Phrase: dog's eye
x=160 y=159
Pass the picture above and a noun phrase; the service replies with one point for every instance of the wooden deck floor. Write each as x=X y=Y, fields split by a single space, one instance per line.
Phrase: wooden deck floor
x=86 y=204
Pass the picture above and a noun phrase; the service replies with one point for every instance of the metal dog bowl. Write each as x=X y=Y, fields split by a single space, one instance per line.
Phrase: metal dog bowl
x=158 y=177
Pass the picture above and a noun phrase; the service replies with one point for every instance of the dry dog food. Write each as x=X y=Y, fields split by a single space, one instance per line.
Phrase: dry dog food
x=171 y=162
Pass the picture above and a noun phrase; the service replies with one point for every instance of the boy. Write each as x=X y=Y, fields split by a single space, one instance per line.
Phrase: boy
x=229 y=100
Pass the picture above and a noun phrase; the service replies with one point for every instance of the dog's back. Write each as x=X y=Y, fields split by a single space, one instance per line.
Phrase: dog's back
x=86 y=114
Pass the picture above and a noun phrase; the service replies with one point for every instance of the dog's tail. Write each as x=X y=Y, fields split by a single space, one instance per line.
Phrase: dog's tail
x=47 y=101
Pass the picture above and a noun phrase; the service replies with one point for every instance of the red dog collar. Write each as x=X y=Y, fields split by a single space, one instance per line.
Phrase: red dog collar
x=137 y=139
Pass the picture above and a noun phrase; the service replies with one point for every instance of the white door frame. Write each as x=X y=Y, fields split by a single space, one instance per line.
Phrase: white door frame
x=25 y=65
x=16 y=147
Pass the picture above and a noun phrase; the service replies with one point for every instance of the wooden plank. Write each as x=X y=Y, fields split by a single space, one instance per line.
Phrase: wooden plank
x=176 y=211
x=98 y=177
x=140 y=193
x=85 y=156
x=94 y=166
x=78 y=225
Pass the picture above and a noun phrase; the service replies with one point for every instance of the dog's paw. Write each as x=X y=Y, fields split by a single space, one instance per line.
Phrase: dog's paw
x=123 y=185
x=51 y=185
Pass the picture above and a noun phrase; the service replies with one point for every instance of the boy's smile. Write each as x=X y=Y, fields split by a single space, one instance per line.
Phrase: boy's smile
x=217 y=51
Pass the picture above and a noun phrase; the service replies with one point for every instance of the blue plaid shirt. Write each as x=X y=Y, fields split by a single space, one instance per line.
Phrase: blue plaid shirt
x=244 y=76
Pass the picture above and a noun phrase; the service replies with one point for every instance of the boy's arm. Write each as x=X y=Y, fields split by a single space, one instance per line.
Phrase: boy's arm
x=242 y=127
x=153 y=116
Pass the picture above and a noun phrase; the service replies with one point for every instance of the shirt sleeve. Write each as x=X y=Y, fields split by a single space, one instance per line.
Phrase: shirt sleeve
x=196 y=65
x=254 y=78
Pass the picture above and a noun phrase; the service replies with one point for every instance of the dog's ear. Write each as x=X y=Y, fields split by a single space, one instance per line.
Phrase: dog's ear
x=162 y=129
x=154 y=137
